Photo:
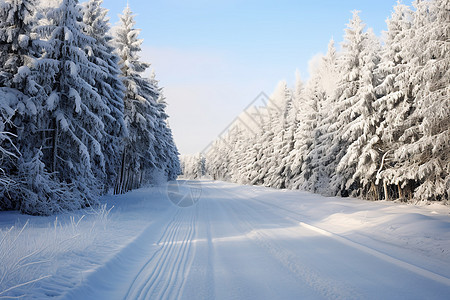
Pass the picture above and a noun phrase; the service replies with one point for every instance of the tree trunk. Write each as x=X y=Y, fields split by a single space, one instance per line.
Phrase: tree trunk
x=386 y=195
x=400 y=192
x=120 y=181
x=54 y=156
x=375 y=192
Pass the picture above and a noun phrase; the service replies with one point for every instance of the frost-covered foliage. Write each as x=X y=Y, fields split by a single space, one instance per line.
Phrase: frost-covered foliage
x=355 y=114
x=166 y=150
x=108 y=86
x=35 y=250
x=62 y=93
x=320 y=159
x=8 y=150
x=17 y=20
x=372 y=121
x=149 y=144
x=420 y=163
x=74 y=109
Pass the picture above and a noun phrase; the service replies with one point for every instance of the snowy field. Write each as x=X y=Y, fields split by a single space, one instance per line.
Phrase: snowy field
x=225 y=241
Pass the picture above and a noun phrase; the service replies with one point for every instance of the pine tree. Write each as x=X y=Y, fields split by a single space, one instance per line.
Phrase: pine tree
x=8 y=150
x=17 y=57
x=288 y=135
x=109 y=87
x=359 y=163
x=75 y=109
x=421 y=162
x=303 y=135
x=16 y=23
x=282 y=140
x=248 y=155
x=21 y=53
x=167 y=152
x=218 y=159
x=265 y=140
x=393 y=105
x=351 y=62
x=194 y=166
x=41 y=193
x=322 y=154
x=140 y=113
x=17 y=19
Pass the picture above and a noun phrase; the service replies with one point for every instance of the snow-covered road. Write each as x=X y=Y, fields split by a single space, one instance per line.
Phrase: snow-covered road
x=255 y=243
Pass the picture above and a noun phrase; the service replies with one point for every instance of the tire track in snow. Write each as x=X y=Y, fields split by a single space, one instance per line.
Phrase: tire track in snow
x=164 y=274
x=181 y=265
x=183 y=269
x=327 y=288
x=210 y=257
x=380 y=255
x=383 y=256
x=174 y=254
x=169 y=229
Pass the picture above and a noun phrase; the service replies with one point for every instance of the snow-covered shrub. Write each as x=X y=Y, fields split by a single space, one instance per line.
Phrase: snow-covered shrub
x=32 y=254
x=8 y=150
x=37 y=192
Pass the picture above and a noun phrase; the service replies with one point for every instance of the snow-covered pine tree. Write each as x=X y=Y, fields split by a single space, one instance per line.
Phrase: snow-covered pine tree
x=16 y=23
x=288 y=161
x=225 y=159
x=360 y=162
x=109 y=86
x=167 y=153
x=141 y=112
x=269 y=117
x=17 y=56
x=239 y=148
x=421 y=167
x=249 y=155
x=238 y=143
x=218 y=159
x=351 y=63
x=34 y=191
x=41 y=194
x=75 y=109
x=245 y=158
x=193 y=166
x=17 y=19
x=394 y=59
x=231 y=148
x=303 y=135
x=323 y=153
x=212 y=160
x=8 y=150
x=283 y=137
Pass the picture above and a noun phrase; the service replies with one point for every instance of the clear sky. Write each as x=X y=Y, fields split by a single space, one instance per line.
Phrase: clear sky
x=214 y=57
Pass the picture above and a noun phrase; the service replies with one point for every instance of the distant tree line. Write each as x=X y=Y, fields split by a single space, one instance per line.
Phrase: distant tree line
x=77 y=116
x=372 y=121
x=193 y=166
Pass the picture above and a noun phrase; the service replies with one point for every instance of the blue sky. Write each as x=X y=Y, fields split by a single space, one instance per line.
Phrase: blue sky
x=215 y=57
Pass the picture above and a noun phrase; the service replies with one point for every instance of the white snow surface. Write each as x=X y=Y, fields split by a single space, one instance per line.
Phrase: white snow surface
x=236 y=242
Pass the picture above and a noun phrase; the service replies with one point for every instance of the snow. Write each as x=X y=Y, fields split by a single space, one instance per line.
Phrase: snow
x=52 y=101
x=74 y=95
x=23 y=40
x=236 y=242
